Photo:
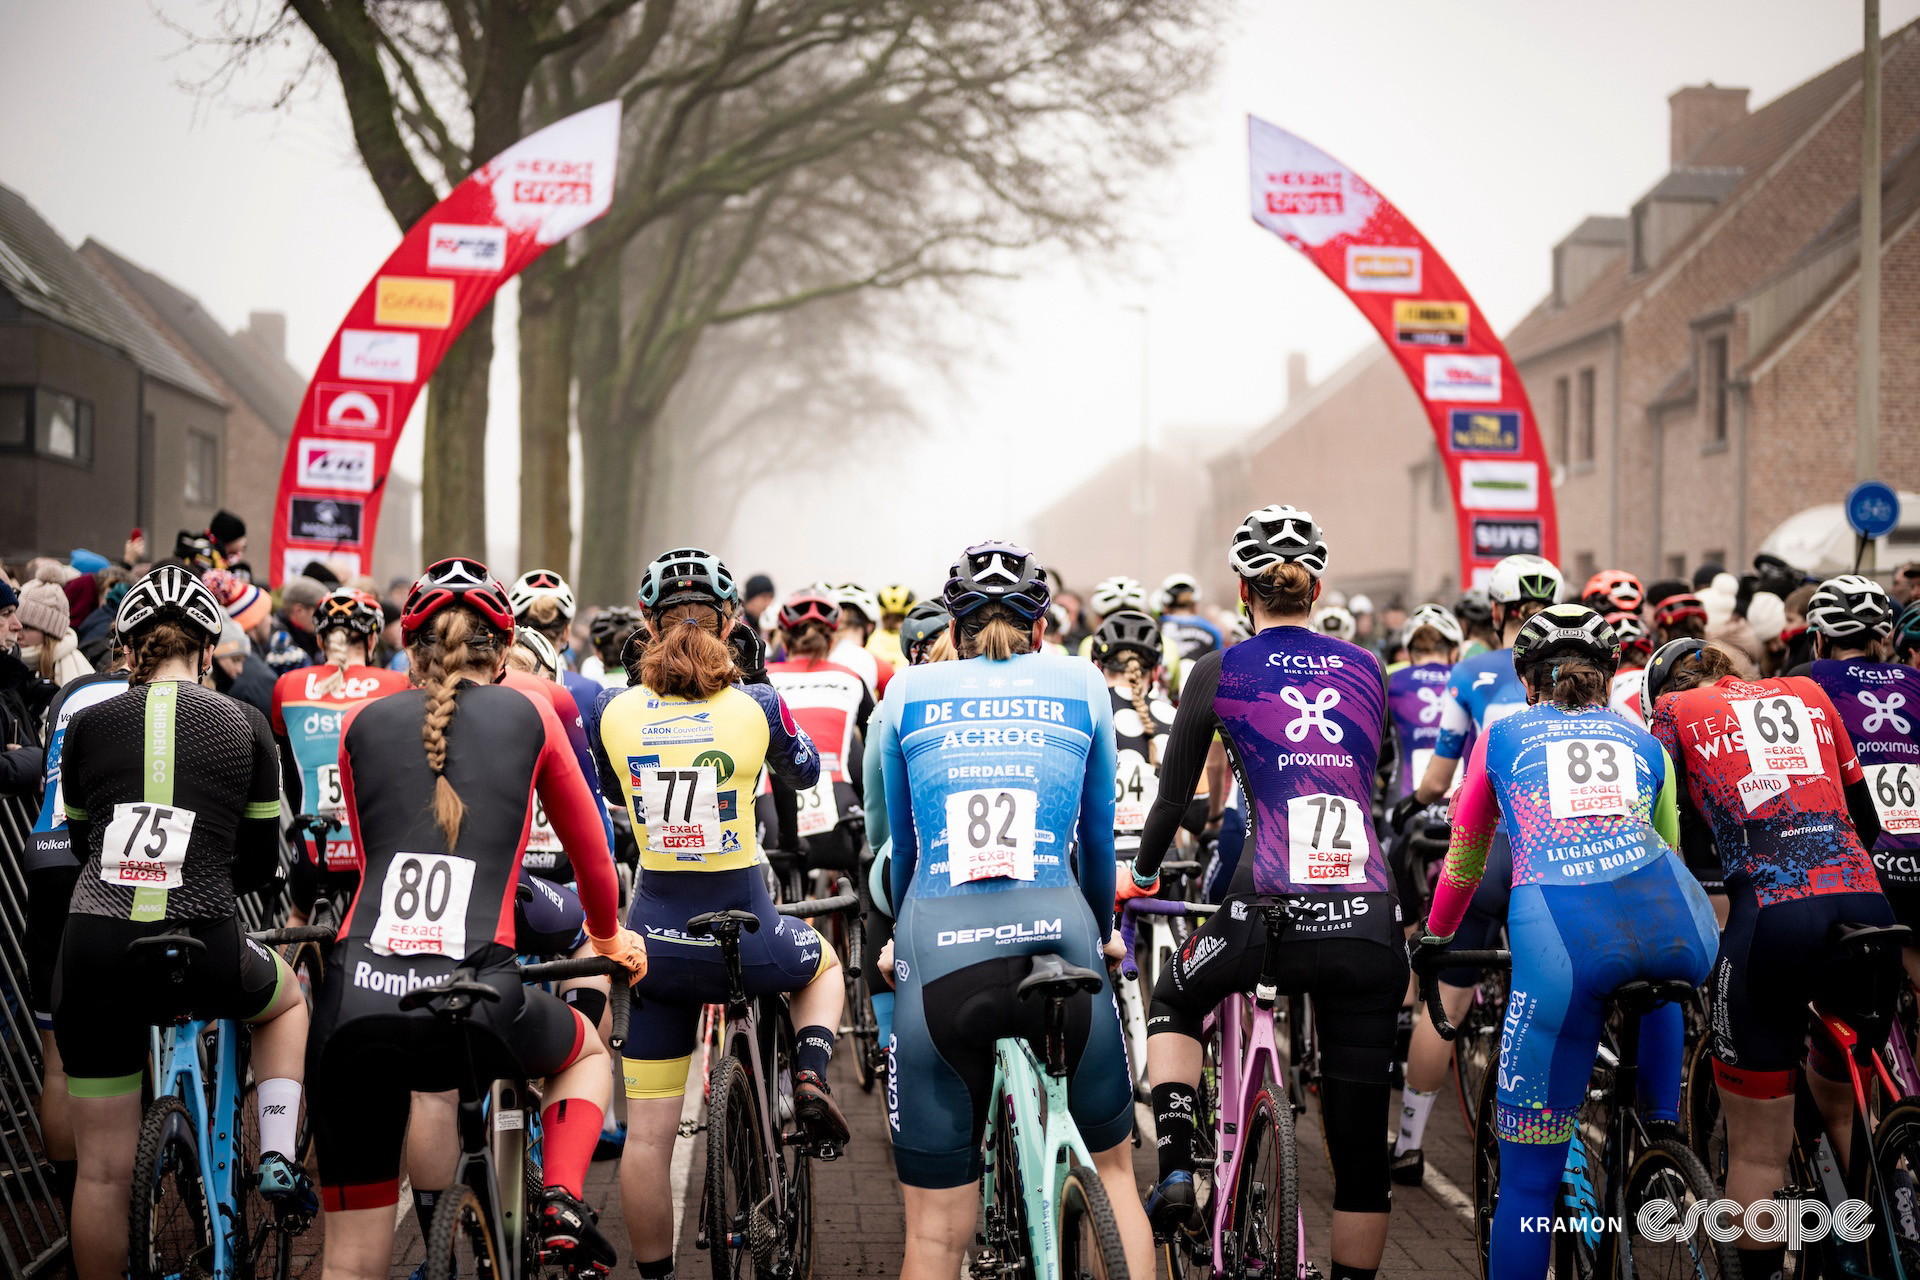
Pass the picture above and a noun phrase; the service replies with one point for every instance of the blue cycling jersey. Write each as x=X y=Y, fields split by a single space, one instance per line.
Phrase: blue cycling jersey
x=51 y=845
x=1480 y=691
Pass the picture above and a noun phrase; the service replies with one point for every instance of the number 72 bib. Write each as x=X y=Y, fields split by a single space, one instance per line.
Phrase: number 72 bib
x=1326 y=840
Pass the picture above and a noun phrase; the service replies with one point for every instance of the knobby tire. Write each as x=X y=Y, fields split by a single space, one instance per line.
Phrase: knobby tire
x=460 y=1244
x=169 y=1230
x=1090 y=1247
x=736 y=1174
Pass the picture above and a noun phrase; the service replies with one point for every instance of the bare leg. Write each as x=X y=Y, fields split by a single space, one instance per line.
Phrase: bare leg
x=1759 y=1137
x=56 y=1117
x=1428 y=1055
x=359 y=1244
x=107 y=1136
x=433 y=1141
x=1835 y=1099
x=939 y=1228
x=646 y=1170
x=1359 y=1239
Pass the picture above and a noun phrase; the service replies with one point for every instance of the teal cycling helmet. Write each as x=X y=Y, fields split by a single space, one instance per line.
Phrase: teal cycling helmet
x=687 y=575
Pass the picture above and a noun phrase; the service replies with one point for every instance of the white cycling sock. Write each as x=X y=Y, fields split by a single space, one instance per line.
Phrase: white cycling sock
x=1414 y=1109
x=279 y=1115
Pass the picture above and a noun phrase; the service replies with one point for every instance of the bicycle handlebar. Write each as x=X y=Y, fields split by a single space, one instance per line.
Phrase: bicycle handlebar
x=1169 y=907
x=590 y=967
x=1430 y=982
x=844 y=899
x=322 y=934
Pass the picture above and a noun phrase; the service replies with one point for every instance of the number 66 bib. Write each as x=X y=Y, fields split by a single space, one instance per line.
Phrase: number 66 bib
x=423 y=906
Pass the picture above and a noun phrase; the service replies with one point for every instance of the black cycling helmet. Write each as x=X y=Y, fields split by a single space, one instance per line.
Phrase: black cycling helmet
x=1127 y=630
x=997 y=573
x=357 y=611
x=1660 y=670
x=169 y=593
x=1906 y=628
x=632 y=650
x=1474 y=609
x=687 y=575
x=1274 y=534
x=609 y=623
x=924 y=623
x=1562 y=631
x=1852 y=608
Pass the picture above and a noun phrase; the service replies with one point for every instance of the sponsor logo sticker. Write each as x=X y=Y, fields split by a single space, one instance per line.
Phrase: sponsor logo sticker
x=341 y=408
x=1499 y=486
x=1379 y=268
x=1473 y=378
x=1483 y=430
x=377 y=356
x=551 y=180
x=325 y=519
x=1298 y=192
x=452 y=246
x=419 y=302
x=335 y=464
x=1493 y=539
x=1431 y=324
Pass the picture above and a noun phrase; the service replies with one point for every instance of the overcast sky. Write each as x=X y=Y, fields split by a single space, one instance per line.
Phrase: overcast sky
x=1496 y=127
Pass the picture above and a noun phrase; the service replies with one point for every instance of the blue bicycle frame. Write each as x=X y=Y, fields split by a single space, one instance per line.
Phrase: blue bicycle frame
x=1049 y=1148
x=215 y=1109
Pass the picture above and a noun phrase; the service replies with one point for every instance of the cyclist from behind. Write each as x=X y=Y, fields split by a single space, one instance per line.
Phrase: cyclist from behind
x=684 y=748
x=309 y=704
x=172 y=796
x=1613 y=591
x=439 y=784
x=1109 y=594
x=543 y=603
x=1302 y=713
x=859 y=611
x=1772 y=779
x=833 y=706
x=1415 y=694
x=1185 y=635
x=609 y=632
x=1126 y=648
x=1475 y=611
x=1600 y=898
x=1636 y=646
x=896 y=602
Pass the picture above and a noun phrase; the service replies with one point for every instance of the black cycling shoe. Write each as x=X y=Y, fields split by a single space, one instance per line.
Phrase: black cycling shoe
x=1408 y=1168
x=570 y=1238
x=819 y=1116
x=1173 y=1205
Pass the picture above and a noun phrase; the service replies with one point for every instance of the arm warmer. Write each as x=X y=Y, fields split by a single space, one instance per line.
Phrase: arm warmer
x=1476 y=812
x=1182 y=764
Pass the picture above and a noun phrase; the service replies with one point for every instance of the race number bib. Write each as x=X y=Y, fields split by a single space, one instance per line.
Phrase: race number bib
x=423 y=906
x=1420 y=759
x=1326 y=840
x=1896 y=794
x=541 y=837
x=1779 y=735
x=146 y=845
x=1135 y=785
x=990 y=834
x=819 y=811
x=1591 y=778
x=331 y=802
x=681 y=809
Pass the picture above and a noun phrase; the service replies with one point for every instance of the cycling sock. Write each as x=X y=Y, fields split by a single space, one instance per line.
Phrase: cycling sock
x=1341 y=1271
x=569 y=1131
x=812 y=1047
x=1415 y=1107
x=660 y=1270
x=883 y=1017
x=1762 y=1264
x=1173 y=1105
x=423 y=1203
x=279 y=1102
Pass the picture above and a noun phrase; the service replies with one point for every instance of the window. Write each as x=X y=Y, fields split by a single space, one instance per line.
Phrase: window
x=1716 y=373
x=1436 y=484
x=1560 y=421
x=16 y=411
x=1586 y=415
x=63 y=426
x=203 y=469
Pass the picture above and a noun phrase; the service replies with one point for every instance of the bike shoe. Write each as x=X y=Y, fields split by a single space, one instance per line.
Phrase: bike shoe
x=569 y=1236
x=818 y=1114
x=1408 y=1168
x=286 y=1184
x=612 y=1142
x=1173 y=1204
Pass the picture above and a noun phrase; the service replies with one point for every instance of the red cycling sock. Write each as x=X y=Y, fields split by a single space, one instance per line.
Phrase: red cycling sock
x=569 y=1130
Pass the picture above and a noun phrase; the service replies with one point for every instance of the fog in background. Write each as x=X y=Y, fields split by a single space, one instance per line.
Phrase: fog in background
x=1496 y=127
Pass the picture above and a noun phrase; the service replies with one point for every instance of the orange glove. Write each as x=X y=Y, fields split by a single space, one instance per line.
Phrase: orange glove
x=1124 y=886
x=625 y=946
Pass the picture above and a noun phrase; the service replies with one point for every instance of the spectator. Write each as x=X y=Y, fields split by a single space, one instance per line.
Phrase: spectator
x=1906 y=582
x=1361 y=607
x=47 y=641
x=23 y=703
x=294 y=643
x=759 y=595
x=1725 y=626
x=1704 y=575
x=1767 y=615
x=1795 y=637
x=228 y=534
x=238 y=673
x=397 y=592
x=95 y=631
x=391 y=652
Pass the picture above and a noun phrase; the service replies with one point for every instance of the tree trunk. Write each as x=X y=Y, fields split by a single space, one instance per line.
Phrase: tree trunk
x=609 y=451
x=546 y=402
x=454 y=469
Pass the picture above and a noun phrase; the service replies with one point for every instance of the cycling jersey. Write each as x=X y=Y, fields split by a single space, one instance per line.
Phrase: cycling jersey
x=1764 y=763
x=546 y=854
x=1415 y=697
x=1624 y=696
x=885 y=645
x=306 y=719
x=1136 y=781
x=873 y=671
x=832 y=704
x=1189 y=636
x=1879 y=703
x=1480 y=691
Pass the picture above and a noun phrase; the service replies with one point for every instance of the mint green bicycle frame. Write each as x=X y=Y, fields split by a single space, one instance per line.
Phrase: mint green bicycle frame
x=1018 y=1082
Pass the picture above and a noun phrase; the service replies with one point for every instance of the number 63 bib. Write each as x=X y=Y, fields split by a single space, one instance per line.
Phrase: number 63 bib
x=423 y=906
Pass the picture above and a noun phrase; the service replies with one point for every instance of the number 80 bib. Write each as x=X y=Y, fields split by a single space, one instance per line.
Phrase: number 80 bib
x=423 y=906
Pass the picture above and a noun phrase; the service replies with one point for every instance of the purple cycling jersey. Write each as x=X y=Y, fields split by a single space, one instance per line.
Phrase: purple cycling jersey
x=1415 y=698
x=1879 y=703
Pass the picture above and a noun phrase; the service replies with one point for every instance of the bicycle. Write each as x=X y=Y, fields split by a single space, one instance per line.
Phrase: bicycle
x=756 y=1205
x=1630 y=1169
x=861 y=1030
x=199 y=1146
x=1143 y=959
x=1039 y=1171
x=480 y=1226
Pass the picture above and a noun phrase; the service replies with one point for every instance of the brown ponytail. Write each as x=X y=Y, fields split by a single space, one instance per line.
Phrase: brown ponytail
x=1570 y=684
x=994 y=632
x=942 y=650
x=1283 y=590
x=812 y=641
x=153 y=648
x=687 y=658
x=1709 y=665
x=543 y=615
x=455 y=640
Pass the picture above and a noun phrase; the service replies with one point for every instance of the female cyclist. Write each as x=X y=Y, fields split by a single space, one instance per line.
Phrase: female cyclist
x=1302 y=713
x=685 y=747
x=1039 y=762
x=172 y=794
x=1569 y=778
x=439 y=784
x=832 y=704
x=543 y=605
x=1127 y=649
x=1636 y=646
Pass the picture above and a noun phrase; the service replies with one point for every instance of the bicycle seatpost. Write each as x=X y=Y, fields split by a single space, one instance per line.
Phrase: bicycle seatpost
x=1267 y=989
x=1057 y=1035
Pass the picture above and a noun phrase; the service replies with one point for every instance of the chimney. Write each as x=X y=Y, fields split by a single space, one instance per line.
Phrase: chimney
x=269 y=329
x=1297 y=384
x=1698 y=112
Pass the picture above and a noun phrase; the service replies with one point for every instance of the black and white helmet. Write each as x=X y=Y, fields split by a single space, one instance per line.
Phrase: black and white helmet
x=1277 y=534
x=1440 y=618
x=169 y=592
x=1566 y=631
x=1850 y=607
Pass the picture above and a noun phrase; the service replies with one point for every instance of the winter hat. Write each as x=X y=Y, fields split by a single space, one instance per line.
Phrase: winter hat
x=87 y=561
x=1767 y=615
x=244 y=602
x=758 y=585
x=301 y=589
x=233 y=641
x=1720 y=596
x=226 y=527
x=8 y=597
x=43 y=606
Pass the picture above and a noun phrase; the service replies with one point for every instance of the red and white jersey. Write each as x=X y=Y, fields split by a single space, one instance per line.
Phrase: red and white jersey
x=830 y=702
x=1625 y=699
x=873 y=671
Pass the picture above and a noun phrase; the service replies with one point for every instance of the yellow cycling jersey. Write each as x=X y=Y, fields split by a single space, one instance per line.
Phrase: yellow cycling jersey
x=687 y=770
x=885 y=645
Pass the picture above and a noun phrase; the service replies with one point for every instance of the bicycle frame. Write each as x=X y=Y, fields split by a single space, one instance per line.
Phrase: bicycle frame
x=1161 y=948
x=1833 y=1185
x=1249 y=1049
x=1053 y=1144
x=217 y=1131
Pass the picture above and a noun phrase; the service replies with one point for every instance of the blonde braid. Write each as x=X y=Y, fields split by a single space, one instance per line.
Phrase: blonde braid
x=440 y=656
x=1136 y=676
x=339 y=657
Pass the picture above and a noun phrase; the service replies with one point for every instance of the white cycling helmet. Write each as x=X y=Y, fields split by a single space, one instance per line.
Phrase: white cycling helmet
x=850 y=595
x=1277 y=534
x=169 y=592
x=1439 y=617
x=1117 y=592
x=535 y=584
x=1361 y=604
x=1518 y=578
x=542 y=650
x=1335 y=621
x=1850 y=607
x=1177 y=582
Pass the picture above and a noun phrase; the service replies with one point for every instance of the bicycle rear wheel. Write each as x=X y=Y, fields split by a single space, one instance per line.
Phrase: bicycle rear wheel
x=460 y=1245
x=1896 y=1159
x=864 y=1043
x=737 y=1228
x=1667 y=1171
x=1006 y=1213
x=1476 y=1049
x=1263 y=1218
x=1090 y=1247
x=1486 y=1172
x=169 y=1227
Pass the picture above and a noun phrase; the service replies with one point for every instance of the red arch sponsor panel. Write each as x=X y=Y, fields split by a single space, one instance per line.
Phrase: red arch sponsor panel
x=1502 y=488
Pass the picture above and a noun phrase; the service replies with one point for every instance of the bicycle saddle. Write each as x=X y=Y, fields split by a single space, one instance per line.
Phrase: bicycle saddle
x=1054 y=978
x=1859 y=936
x=1638 y=999
x=452 y=997
x=704 y=925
